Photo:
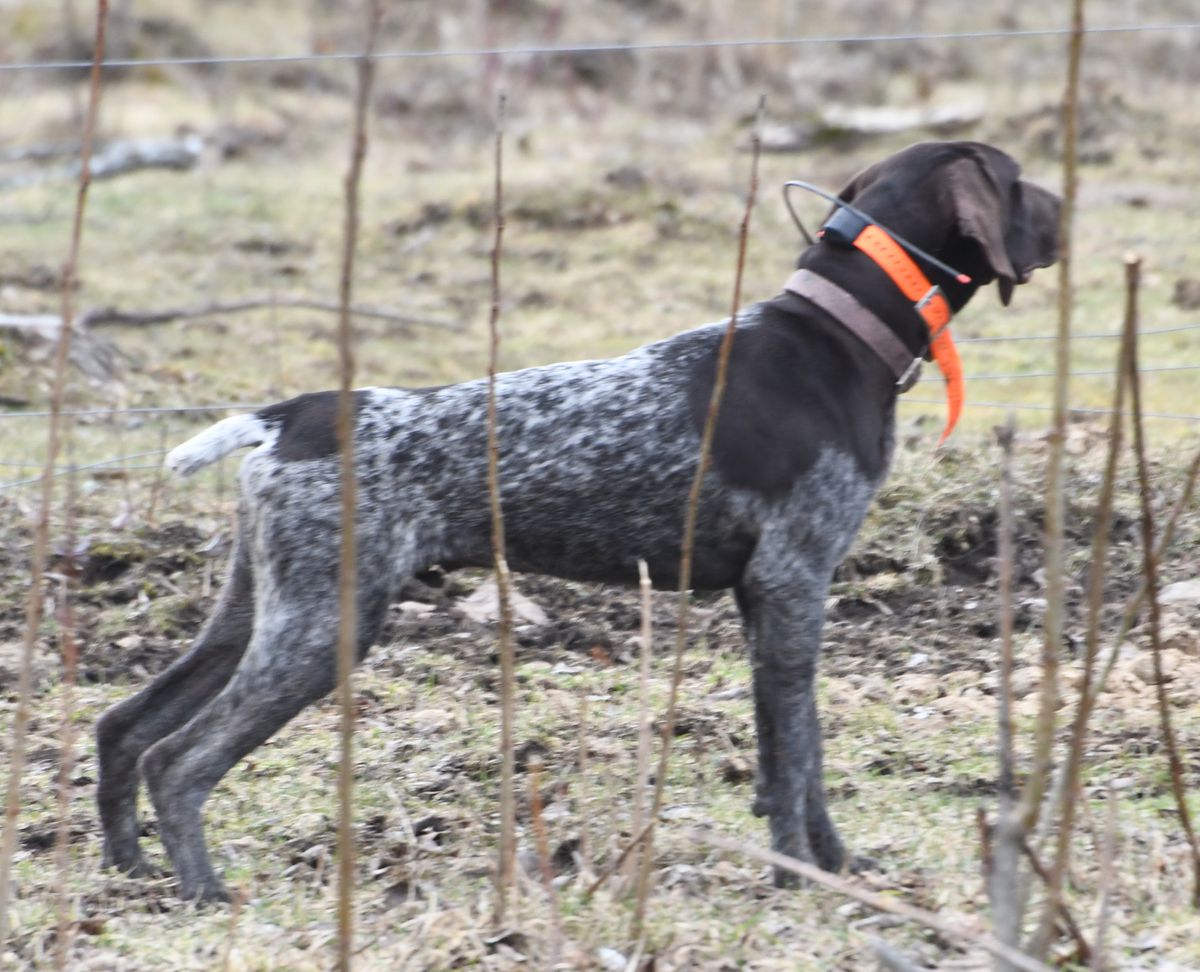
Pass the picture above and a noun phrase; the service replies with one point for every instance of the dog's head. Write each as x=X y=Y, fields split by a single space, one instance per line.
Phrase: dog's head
x=966 y=203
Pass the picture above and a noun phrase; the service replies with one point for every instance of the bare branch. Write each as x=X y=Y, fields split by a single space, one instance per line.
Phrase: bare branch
x=109 y=316
x=1004 y=436
x=1002 y=850
x=1107 y=855
x=1082 y=948
x=585 y=840
x=66 y=759
x=621 y=858
x=48 y=325
x=543 y=857
x=879 y=902
x=119 y=158
x=508 y=813
x=643 y=750
x=1150 y=567
x=1134 y=605
x=347 y=643
x=1053 y=621
x=34 y=608
x=239 y=900
x=689 y=529
x=1096 y=578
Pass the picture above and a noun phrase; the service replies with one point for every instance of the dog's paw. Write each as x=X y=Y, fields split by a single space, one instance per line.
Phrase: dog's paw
x=862 y=864
x=787 y=880
x=144 y=869
x=205 y=893
x=130 y=865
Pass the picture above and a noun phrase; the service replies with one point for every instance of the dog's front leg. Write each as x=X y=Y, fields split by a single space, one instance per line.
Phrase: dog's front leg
x=783 y=626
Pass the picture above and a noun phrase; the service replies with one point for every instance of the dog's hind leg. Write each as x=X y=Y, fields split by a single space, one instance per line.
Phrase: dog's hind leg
x=127 y=729
x=290 y=663
x=783 y=613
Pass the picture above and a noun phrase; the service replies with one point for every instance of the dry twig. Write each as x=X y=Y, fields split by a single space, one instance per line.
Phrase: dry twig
x=879 y=902
x=1004 y=436
x=543 y=857
x=508 y=813
x=1150 y=567
x=1134 y=606
x=585 y=841
x=119 y=158
x=66 y=760
x=347 y=643
x=160 y=475
x=34 y=608
x=1108 y=854
x=1083 y=950
x=1053 y=620
x=1097 y=574
x=110 y=316
x=621 y=858
x=239 y=899
x=689 y=530
x=1002 y=850
x=643 y=750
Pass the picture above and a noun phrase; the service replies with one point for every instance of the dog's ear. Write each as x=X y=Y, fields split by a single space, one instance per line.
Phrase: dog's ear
x=852 y=189
x=980 y=209
x=1014 y=223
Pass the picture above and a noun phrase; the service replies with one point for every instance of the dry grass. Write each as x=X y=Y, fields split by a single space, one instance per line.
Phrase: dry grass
x=907 y=702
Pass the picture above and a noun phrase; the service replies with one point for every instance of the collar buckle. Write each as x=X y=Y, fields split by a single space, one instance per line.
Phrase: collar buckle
x=909 y=376
x=933 y=291
x=934 y=309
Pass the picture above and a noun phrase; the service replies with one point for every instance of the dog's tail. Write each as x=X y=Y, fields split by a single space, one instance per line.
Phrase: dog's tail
x=217 y=442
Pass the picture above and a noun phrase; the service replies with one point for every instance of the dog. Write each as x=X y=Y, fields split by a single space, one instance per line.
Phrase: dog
x=596 y=461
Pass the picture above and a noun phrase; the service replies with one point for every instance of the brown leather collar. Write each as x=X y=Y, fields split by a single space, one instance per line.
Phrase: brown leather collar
x=865 y=325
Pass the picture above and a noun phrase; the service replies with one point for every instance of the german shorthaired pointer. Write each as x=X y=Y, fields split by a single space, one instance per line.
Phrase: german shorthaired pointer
x=597 y=459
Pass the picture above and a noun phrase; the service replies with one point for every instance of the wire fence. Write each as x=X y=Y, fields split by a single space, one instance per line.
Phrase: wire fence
x=120 y=463
x=584 y=48
x=603 y=47
x=549 y=49
x=215 y=408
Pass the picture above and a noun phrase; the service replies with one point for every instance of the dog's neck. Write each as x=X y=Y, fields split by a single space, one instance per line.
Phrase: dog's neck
x=855 y=271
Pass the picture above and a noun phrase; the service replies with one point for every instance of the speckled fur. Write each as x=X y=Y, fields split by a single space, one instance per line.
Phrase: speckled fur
x=597 y=459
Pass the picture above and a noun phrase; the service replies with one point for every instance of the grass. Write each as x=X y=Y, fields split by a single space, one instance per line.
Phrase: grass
x=910 y=757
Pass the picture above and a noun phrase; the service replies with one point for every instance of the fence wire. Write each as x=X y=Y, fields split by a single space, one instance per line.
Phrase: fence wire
x=605 y=47
x=1035 y=407
x=120 y=461
x=1075 y=337
x=81 y=467
x=594 y=48
x=1100 y=372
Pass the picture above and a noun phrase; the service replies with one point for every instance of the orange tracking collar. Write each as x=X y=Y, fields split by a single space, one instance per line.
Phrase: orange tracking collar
x=928 y=300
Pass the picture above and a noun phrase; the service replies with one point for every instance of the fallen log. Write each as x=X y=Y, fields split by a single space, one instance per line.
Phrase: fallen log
x=841 y=124
x=113 y=316
x=112 y=160
x=95 y=357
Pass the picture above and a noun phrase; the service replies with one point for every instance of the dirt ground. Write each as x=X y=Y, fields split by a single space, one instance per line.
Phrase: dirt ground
x=625 y=181
x=908 y=687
